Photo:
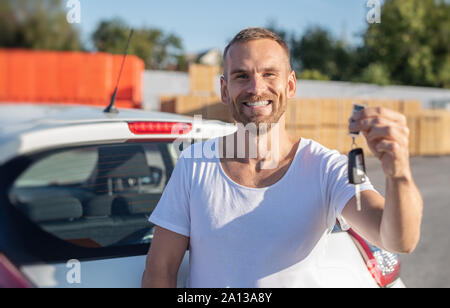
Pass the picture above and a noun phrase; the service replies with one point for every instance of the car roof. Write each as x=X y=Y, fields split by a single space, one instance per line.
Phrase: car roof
x=16 y=119
x=27 y=128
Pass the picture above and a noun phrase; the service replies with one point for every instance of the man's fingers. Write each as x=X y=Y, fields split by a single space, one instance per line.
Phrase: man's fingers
x=380 y=112
x=392 y=132
x=386 y=146
x=366 y=124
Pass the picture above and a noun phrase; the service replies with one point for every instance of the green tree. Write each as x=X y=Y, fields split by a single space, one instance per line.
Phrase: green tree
x=37 y=24
x=375 y=73
x=318 y=50
x=157 y=49
x=312 y=75
x=316 y=54
x=412 y=42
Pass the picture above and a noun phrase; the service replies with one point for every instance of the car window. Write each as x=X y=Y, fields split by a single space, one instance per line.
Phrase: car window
x=47 y=171
x=96 y=196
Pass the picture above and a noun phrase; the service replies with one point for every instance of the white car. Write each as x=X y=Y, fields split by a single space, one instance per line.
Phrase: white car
x=77 y=186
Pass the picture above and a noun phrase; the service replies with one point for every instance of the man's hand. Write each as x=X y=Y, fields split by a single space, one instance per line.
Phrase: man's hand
x=387 y=136
x=392 y=223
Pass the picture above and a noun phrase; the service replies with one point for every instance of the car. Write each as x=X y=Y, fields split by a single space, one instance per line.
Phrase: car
x=77 y=186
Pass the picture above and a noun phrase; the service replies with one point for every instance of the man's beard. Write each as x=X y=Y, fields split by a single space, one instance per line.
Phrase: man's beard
x=237 y=110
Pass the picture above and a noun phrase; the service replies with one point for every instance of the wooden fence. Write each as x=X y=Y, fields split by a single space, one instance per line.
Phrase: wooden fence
x=326 y=120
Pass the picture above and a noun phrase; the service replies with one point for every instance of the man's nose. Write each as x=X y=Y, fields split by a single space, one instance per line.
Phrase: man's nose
x=256 y=85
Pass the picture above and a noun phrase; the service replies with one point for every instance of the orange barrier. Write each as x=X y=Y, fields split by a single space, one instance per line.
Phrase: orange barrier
x=3 y=76
x=69 y=77
x=131 y=81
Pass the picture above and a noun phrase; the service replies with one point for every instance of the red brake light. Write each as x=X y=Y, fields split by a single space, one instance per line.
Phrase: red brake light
x=10 y=276
x=384 y=266
x=159 y=128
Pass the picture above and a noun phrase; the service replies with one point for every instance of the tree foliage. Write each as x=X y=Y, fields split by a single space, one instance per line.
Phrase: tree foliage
x=43 y=25
x=312 y=75
x=317 y=55
x=37 y=24
x=157 y=49
x=376 y=73
x=410 y=46
x=318 y=50
x=412 y=41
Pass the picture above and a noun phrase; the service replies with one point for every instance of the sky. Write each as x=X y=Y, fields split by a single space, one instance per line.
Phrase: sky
x=205 y=24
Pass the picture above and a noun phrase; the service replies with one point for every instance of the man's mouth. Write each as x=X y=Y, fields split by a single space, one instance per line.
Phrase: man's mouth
x=257 y=104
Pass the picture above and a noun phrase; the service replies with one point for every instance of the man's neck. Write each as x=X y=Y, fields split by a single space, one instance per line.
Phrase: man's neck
x=264 y=148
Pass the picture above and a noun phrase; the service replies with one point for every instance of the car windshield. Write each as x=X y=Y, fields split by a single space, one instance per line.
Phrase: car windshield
x=96 y=196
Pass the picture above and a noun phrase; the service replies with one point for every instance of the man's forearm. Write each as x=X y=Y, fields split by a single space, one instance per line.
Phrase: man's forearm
x=400 y=225
x=155 y=281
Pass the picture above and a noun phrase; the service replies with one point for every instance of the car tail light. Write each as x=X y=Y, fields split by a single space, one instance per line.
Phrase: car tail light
x=159 y=128
x=384 y=266
x=10 y=276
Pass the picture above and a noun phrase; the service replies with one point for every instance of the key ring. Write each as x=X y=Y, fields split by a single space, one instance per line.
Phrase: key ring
x=354 y=145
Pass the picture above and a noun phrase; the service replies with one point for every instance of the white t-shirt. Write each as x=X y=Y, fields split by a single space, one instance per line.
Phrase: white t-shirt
x=255 y=237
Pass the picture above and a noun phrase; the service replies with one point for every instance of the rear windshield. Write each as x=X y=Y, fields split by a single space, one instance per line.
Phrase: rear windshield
x=96 y=196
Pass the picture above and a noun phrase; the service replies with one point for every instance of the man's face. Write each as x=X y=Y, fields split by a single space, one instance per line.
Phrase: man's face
x=258 y=82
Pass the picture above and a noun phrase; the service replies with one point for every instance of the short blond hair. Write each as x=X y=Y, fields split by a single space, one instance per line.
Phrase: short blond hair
x=251 y=34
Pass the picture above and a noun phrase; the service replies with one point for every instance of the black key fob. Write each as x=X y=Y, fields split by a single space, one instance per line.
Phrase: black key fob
x=356 y=167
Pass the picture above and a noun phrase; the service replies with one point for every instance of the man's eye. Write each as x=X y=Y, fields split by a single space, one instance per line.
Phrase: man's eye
x=269 y=74
x=241 y=76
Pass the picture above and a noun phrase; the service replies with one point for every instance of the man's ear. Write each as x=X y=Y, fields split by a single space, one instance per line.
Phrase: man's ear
x=292 y=84
x=223 y=90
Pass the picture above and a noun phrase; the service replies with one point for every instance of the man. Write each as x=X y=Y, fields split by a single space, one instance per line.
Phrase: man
x=262 y=220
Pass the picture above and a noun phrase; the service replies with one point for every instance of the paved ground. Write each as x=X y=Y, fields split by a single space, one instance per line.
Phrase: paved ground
x=429 y=265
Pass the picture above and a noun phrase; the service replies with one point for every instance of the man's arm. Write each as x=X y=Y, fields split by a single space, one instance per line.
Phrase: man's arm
x=164 y=258
x=392 y=223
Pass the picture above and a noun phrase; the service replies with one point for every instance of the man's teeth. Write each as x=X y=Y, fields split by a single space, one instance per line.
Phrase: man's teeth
x=257 y=104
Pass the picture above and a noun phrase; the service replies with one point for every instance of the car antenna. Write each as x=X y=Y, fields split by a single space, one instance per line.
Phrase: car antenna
x=111 y=108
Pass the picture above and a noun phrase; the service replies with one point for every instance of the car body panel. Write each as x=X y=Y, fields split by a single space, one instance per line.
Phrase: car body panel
x=66 y=127
x=341 y=267
x=110 y=273
x=18 y=118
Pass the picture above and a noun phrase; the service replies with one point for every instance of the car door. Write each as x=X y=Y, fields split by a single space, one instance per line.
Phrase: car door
x=78 y=216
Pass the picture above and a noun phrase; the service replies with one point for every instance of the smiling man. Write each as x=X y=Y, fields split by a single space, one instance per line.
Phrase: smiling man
x=250 y=225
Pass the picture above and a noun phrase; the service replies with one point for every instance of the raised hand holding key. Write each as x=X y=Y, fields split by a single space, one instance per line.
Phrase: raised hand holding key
x=387 y=136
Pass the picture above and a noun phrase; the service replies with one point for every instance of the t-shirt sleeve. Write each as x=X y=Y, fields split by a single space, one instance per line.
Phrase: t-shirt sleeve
x=172 y=211
x=337 y=190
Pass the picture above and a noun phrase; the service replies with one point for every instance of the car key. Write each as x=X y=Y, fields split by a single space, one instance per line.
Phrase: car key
x=356 y=163
x=357 y=172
